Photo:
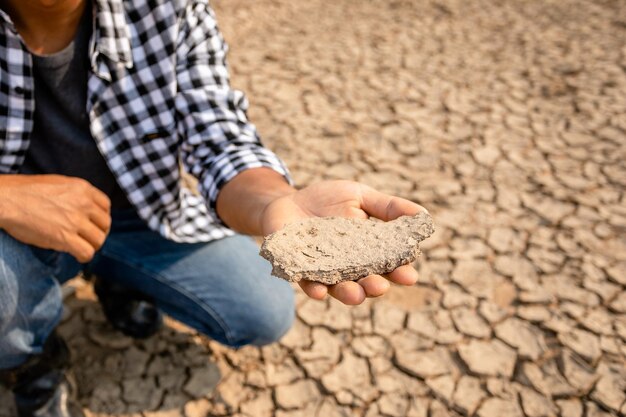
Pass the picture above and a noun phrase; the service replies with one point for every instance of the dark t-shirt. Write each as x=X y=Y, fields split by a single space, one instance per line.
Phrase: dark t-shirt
x=61 y=142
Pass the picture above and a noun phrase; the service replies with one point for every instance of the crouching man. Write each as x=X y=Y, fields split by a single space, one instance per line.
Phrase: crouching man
x=101 y=104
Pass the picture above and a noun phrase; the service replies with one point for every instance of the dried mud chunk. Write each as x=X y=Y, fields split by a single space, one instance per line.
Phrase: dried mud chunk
x=336 y=249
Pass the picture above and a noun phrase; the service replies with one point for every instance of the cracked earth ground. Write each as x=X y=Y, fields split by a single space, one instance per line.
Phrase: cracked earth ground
x=507 y=120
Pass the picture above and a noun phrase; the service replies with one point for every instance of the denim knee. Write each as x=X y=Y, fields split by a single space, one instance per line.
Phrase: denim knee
x=30 y=302
x=11 y=254
x=267 y=320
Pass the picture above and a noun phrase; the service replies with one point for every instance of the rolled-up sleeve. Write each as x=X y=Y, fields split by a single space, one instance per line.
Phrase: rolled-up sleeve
x=217 y=140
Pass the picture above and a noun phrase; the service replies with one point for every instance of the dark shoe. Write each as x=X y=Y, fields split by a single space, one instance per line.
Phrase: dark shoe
x=129 y=311
x=41 y=386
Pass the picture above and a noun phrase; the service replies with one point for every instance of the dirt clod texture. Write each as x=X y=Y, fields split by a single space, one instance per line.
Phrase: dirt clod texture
x=335 y=249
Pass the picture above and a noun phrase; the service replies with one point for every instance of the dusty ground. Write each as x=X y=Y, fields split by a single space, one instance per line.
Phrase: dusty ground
x=508 y=121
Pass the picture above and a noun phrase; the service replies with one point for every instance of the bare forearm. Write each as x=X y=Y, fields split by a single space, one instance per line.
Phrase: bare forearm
x=242 y=201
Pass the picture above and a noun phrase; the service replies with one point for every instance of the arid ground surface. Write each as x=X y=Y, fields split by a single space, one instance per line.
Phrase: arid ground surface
x=507 y=120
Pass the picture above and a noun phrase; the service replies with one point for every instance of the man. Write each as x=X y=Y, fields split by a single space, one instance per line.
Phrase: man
x=100 y=105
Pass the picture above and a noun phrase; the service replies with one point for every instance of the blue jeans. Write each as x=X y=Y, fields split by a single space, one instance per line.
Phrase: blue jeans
x=222 y=288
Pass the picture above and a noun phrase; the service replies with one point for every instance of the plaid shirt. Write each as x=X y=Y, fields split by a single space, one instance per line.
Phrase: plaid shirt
x=158 y=98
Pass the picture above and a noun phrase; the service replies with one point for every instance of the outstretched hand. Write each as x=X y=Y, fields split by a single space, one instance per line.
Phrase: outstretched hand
x=343 y=199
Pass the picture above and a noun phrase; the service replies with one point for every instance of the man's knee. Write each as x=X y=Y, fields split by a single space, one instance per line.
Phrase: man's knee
x=30 y=300
x=267 y=320
x=10 y=265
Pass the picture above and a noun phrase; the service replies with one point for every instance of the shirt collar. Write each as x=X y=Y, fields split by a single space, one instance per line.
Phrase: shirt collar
x=113 y=33
x=4 y=16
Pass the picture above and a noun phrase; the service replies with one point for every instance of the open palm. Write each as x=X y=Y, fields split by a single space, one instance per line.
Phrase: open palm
x=343 y=199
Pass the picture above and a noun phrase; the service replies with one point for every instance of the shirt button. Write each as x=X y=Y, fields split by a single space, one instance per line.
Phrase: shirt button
x=19 y=90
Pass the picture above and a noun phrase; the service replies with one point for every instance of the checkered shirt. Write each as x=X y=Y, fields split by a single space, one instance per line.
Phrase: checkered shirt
x=159 y=101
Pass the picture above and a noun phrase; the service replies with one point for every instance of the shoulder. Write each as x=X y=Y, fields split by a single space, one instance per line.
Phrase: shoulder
x=151 y=7
x=173 y=21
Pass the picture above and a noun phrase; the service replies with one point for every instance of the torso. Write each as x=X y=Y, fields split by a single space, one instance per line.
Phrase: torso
x=61 y=141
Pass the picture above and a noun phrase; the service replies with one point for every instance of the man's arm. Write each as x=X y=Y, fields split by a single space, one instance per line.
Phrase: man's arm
x=258 y=201
x=242 y=202
x=218 y=142
x=245 y=184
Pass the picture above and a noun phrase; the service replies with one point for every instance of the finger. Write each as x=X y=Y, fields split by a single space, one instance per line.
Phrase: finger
x=403 y=275
x=386 y=207
x=348 y=292
x=314 y=290
x=101 y=199
x=101 y=218
x=374 y=285
x=92 y=193
x=80 y=249
x=92 y=234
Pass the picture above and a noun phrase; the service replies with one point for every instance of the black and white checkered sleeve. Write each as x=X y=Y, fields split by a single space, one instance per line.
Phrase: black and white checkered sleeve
x=218 y=141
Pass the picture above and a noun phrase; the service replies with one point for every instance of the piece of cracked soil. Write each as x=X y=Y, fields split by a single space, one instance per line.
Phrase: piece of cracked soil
x=335 y=249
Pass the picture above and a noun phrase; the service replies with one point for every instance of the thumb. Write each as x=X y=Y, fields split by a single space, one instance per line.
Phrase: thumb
x=386 y=207
x=279 y=214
